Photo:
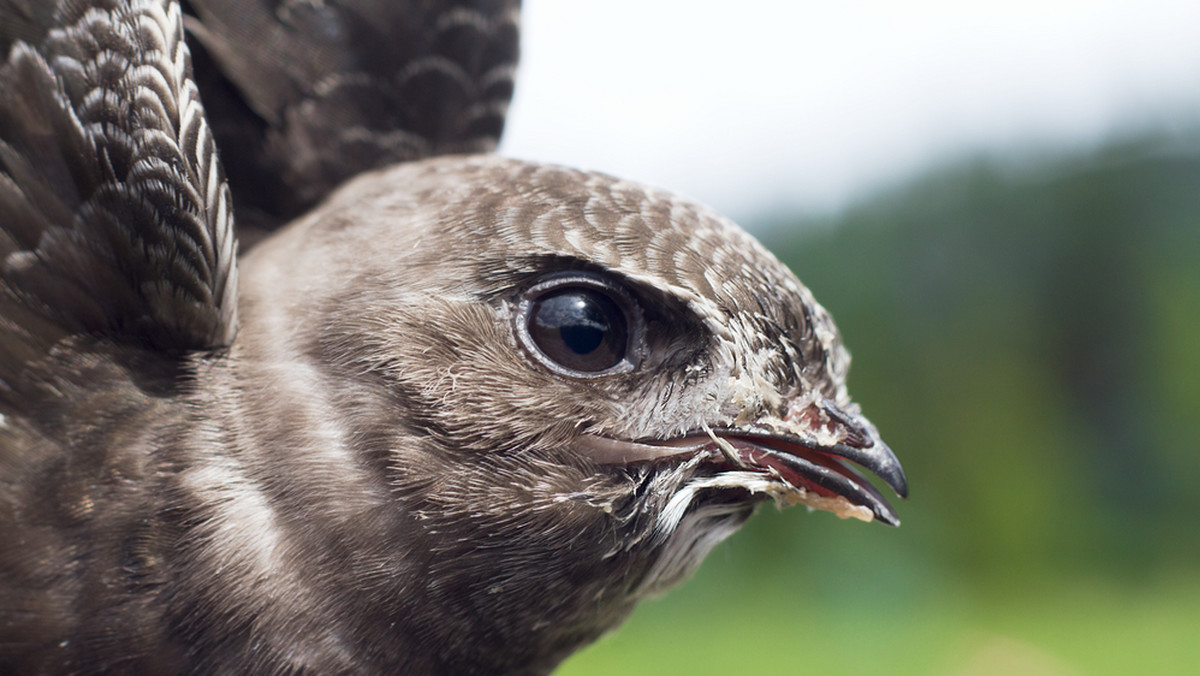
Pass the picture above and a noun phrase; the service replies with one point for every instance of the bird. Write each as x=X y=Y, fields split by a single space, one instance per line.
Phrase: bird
x=438 y=412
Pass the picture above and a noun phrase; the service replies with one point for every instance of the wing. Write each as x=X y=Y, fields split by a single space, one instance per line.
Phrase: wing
x=114 y=213
x=25 y=21
x=303 y=95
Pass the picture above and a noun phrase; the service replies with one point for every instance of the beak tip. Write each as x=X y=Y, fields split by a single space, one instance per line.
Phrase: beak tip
x=885 y=514
x=899 y=482
x=890 y=469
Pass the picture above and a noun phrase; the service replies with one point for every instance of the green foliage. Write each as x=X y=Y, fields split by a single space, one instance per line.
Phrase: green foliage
x=1020 y=337
x=1026 y=335
x=1083 y=629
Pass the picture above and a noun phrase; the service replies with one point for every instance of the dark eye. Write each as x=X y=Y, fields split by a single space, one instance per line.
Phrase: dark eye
x=579 y=325
x=579 y=329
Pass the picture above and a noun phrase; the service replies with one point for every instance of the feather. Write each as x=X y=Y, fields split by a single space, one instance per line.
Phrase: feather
x=117 y=220
x=304 y=95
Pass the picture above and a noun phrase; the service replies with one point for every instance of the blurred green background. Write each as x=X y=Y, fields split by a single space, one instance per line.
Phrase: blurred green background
x=1026 y=335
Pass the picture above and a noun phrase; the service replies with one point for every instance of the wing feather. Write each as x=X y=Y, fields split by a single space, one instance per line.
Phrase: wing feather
x=116 y=218
x=304 y=95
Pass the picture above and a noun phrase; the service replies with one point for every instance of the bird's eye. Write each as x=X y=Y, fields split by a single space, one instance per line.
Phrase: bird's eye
x=578 y=328
x=580 y=325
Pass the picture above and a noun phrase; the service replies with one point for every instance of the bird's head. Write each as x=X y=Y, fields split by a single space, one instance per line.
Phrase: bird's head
x=563 y=365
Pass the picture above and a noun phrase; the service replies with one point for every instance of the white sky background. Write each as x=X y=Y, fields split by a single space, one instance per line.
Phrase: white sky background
x=756 y=105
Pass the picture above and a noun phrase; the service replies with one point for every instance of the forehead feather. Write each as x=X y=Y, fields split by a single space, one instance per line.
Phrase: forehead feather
x=500 y=217
x=517 y=211
x=680 y=248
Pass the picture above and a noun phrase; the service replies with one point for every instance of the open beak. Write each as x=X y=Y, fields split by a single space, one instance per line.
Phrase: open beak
x=812 y=455
x=823 y=473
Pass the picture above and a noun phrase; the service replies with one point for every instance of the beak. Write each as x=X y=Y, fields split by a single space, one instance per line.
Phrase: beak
x=821 y=467
x=812 y=452
x=811 y=455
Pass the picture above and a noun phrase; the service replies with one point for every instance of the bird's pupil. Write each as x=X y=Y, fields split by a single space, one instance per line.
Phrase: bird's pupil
x=580 y=329
x=583 y=338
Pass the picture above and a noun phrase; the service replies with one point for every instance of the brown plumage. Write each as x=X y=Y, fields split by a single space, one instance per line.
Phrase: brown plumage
x=468 y=411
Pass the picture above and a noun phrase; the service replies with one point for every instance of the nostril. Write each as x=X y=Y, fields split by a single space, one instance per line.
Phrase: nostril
x=856 y=435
